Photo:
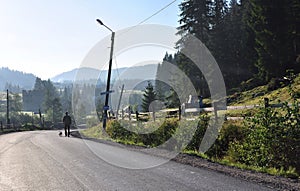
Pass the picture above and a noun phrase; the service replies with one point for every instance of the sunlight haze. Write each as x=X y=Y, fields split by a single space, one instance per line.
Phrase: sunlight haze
x=50 y=37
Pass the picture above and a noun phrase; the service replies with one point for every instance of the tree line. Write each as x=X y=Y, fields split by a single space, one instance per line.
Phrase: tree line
x=250 y=39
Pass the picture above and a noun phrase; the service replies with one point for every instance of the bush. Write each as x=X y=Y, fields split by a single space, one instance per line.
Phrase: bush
x=127 y=132
x=161 y=134
x=273 y=139
x=232 y=131
x=202 y=125
x=116 y=131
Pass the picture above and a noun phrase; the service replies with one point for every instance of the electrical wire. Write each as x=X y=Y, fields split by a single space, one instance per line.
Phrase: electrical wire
x=143 y=21
x=148 y=18
x=157 y=12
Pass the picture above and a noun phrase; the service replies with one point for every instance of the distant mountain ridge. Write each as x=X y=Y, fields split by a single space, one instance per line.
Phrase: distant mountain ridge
x=16 y=78
x=26 y=81
x=129 y=73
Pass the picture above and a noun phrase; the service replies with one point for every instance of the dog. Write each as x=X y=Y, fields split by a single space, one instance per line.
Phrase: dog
x=60 y=133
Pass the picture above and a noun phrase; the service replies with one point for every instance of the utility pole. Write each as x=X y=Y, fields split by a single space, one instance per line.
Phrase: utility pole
x=7 y=108
x=120 y=101
x=106 y=107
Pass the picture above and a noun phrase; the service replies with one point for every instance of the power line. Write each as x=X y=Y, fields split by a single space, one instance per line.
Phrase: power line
x=143 y=21
x=148 y=18
x=157 y=12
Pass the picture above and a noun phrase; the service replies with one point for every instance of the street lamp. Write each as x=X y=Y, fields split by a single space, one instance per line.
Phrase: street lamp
x=106 y=107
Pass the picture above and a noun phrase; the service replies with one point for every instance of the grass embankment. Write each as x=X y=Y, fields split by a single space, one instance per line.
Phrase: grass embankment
x=255 y=96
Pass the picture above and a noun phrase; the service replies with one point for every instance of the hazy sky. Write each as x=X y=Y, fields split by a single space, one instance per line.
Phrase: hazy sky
x=48 y=37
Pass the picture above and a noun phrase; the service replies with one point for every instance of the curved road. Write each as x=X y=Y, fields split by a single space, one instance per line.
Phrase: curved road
x=42 y=160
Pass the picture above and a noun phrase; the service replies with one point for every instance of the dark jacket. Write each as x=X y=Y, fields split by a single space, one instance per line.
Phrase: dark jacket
x=67 y=120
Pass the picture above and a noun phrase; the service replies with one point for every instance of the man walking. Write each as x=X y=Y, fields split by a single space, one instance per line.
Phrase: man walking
x=67 y=123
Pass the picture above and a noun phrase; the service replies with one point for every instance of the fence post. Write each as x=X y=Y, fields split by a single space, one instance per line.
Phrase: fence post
x=137 y=115
x=129 y=113
x=179 y=113
x=266 y=102
x=215 y=108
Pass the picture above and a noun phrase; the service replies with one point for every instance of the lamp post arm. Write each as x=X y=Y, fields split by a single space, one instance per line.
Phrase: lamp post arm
x=108 y=28
x=101 y=23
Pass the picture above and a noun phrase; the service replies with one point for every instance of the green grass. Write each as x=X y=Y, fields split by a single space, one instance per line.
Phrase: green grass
x=290 y=173
x=97 y=133
x=282 y=94
x=240 y=112
x=94 y=132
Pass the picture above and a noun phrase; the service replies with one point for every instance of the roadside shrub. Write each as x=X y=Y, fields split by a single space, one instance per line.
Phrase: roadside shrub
x=232 y=131
x=126 y=131
x=161 y=134
x=116 y=131
x=202 y=125
x=273 y=139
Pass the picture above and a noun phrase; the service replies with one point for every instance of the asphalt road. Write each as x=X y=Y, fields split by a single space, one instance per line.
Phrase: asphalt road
x=42 y=160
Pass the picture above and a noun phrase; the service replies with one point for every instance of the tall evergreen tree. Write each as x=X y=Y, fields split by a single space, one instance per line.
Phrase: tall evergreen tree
x=230 y=45
x=49 y=95
x=38 y=85
x=172 y=100
x=66 y=100
x=149 y=97
x=275 y=35
x=195 y=19
x=57 y=110
x=248 y=53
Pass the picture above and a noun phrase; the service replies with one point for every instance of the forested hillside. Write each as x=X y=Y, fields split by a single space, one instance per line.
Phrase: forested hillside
x=250 y=39
x=15 y=80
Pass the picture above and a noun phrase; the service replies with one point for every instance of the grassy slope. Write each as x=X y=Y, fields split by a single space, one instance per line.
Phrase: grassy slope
x=245 y=98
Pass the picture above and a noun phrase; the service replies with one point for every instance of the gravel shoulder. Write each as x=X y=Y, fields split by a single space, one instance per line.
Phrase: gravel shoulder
x=275 y=182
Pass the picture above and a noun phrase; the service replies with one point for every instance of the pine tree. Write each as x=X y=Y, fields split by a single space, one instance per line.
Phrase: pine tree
x=219 y=41
x=66 y=100
x=49 y=95
x=275 y=28
x=249 y=54
x=172 y=100
x=230 y=46
x=148 y=97
x=294 y=32
x=38 y=85
x=57 y=110
x=195 y=19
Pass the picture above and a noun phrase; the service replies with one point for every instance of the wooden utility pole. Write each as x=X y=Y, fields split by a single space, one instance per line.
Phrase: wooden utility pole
x=118 y=108
x=106 y=107
x=7 y=109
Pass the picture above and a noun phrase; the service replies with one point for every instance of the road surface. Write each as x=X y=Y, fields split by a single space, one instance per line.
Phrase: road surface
x=42 y=160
